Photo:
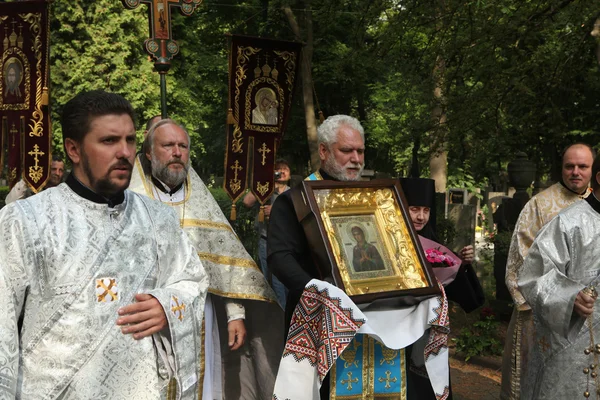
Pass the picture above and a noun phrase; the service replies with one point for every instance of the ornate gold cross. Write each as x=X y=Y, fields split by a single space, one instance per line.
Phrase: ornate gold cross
x=35 y=153
x=349 y=381
x=264 y=150
x=160 y=45
x=107 y=290
x=544 y=343
x=13 y=132
x=236 y=168
x=387 y=379
x=178 y=307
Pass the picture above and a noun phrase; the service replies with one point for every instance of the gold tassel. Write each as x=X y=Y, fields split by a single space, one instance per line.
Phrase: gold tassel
x=233 y=215
x=230 y=119
x=321 y=116
x=45 y=100
x=261 y=214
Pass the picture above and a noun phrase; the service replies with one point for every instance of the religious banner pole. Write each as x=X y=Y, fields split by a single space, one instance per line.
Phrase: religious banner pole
x=160 y=45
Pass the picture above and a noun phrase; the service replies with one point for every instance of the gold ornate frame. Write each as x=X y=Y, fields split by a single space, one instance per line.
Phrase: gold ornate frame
x=405 y=271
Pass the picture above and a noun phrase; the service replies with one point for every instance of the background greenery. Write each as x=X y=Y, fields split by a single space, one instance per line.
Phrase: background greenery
x=517 y=74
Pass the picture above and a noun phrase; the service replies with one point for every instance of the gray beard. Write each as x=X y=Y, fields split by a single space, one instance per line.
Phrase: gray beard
x=164 y=174
x=338 y=172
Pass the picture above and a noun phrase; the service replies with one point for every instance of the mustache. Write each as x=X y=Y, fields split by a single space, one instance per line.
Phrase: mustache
x=122 y=163
x=177 y=162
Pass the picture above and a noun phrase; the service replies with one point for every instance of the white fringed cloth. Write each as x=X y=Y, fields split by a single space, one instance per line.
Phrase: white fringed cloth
x=325 y=321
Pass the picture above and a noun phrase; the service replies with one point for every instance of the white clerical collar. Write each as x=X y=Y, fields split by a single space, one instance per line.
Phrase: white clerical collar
x=165 y=194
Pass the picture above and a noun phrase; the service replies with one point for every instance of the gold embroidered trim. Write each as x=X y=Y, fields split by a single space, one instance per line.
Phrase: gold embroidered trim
x=202 y=359
x=202 y=223
x=234 y=262
x=239 y=296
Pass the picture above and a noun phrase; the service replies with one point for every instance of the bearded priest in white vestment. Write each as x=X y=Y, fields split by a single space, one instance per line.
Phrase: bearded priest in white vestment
x=101 y=291
x=243 y=325
x=560 y=279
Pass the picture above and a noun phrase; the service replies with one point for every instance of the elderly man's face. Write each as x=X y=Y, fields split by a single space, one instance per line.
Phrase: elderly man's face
x=170 y=155
x=344 y=159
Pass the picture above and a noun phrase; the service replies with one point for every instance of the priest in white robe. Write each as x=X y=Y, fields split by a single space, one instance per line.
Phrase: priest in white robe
x=242 y=329
x=559 y=280
x=101 y=291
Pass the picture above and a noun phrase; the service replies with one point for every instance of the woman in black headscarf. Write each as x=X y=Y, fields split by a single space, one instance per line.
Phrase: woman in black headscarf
x=420 y=196
x=465 y=289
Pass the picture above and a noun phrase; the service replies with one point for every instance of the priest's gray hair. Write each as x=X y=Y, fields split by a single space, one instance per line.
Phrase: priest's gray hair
x=327 y=132
x=148 y=145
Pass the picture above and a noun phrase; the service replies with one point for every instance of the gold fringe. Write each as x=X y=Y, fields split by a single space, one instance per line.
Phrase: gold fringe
x=45 y=100
x=321 y=116
x=261 y=214
x=233 y=215
x=230 y=119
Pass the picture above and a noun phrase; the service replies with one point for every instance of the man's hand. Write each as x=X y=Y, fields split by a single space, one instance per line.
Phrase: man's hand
x=237 y=333
x=584 y=304
x=467 y=254
x=267 y=210
x=143 y=318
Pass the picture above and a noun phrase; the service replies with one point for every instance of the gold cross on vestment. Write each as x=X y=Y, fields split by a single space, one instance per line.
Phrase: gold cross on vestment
x=349 y=381
x=178 y=307
x=264 y=150
x=387 y=379
x=107 y=290
x=544 y=343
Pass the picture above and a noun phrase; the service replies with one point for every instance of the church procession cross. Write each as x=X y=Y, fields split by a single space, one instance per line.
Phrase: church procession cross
x=160 y=45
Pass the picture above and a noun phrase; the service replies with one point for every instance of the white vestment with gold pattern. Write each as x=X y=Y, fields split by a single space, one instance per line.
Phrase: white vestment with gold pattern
x=67 y=265
x=537 y=212
x=237 y=286
x=563 y=260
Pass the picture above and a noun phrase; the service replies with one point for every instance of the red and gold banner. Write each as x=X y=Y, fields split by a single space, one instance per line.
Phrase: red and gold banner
x=24 y=37
x=262 y=77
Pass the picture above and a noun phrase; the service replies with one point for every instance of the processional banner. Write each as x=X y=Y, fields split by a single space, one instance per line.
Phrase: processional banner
x=262 y=77
x=24 y=92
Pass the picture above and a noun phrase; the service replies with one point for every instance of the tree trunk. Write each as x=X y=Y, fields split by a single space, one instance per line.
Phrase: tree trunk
x=307 y=83
x=438 y=161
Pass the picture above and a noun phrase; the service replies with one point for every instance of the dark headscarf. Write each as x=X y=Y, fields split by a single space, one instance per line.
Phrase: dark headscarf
x=420 y=192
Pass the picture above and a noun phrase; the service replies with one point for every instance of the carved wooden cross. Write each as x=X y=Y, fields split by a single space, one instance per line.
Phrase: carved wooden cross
x=160 y=45
x=349 y=381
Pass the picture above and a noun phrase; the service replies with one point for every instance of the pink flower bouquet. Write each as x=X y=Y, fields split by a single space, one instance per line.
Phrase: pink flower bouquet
x=444 y=262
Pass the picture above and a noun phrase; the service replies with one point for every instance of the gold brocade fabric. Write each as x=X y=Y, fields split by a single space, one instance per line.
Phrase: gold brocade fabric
x=232 y=272
x=537 y=212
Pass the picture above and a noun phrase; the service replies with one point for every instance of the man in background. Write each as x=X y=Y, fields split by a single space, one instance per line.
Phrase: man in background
x=282 y=178
x=576 y=174
x=22 y=191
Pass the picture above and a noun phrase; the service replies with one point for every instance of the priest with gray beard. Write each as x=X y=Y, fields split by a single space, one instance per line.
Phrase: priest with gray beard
x=559 y=280
x=242 y=322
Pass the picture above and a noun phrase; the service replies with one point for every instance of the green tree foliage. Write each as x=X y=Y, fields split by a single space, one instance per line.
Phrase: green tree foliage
x=519 y=75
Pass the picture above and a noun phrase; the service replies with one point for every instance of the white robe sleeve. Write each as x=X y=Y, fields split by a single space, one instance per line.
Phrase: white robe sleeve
x=544 y=281
x=15 y=254
x=181 y=290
